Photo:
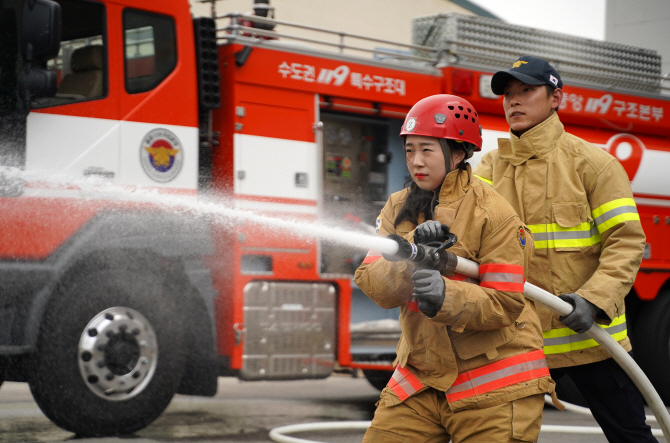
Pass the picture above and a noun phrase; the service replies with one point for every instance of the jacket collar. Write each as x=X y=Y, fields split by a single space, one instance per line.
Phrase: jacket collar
x=537 y=142
x=455 y=184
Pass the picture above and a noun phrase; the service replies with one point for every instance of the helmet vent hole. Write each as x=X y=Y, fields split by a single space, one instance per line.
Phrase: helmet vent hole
x=469 y=110
x=473 y=119
x=458 y=115
x=475 y=113
x=451 y=108
x=460 y=107
x=466 y=117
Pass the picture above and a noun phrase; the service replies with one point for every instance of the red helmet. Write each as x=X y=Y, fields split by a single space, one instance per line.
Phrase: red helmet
x=445 y=116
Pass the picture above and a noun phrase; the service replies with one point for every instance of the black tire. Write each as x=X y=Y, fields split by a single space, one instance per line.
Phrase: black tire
x=377 y=378
x=651 y=343
x=105 y=300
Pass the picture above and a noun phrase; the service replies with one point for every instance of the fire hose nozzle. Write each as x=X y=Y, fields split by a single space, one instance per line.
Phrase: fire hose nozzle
x=426 y=256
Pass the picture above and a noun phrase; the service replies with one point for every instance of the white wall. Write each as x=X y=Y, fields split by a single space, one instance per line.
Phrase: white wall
x=643 y=23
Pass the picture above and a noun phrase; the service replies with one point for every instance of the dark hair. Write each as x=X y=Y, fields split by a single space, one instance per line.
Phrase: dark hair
x=419 y=201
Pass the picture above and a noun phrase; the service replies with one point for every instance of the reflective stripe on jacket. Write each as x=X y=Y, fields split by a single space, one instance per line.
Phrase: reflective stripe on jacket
x=577 y=201
x=480 y=381
x=478 y=324
x=558 y=341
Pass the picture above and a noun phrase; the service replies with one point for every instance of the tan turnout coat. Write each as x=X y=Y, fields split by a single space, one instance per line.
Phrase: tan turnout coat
x=476 y=325
x=577 y=201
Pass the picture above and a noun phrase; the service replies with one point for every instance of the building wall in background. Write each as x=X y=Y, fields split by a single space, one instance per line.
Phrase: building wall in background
x=643 y=23
x=383 y=19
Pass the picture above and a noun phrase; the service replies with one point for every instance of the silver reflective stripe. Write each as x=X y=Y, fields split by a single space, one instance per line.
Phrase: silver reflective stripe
x=565 y=235
x=500 y=373
x=614 y=212
x=574 y=338
x=502 y=276
x=403 y=383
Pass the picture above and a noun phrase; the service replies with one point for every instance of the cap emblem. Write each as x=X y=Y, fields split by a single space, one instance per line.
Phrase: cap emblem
x=518 y=64
x=440 y=118
x=553 y=80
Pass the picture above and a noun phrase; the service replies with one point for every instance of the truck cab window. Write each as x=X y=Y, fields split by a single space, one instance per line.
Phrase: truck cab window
x=81 y=65
x=150 y=49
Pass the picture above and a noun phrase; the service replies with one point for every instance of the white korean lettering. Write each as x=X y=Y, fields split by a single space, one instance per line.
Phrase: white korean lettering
x=400 y=86
x=296 y=71
x=309 y=72
x=356 y=79
x=389 y=85
x=632 y=110
x=657 y=113
x=576 y=102
x=619 y=107
x=284 y=69
x=379 y=82
x=367 y=82
x=645 y=110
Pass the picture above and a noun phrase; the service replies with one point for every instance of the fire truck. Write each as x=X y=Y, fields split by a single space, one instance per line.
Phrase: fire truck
x=109 y=306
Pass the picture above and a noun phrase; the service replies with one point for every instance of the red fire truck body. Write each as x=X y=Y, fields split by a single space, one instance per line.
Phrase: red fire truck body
x=124 y=303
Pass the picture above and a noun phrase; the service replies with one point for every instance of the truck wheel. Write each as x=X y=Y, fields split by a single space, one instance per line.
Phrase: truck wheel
x=651 y=343
x=377 y=378
x=110 y=354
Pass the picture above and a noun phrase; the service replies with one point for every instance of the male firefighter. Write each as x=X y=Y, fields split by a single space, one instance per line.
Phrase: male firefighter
x=470 y=365
x=577 y=201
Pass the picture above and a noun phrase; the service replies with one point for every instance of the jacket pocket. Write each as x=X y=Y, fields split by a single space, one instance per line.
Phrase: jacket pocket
x=575 y=219
x=473 y=343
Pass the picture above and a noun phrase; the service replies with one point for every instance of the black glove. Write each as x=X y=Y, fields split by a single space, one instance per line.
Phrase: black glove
x=582 y=316
x=430 y=231
x=428 y=291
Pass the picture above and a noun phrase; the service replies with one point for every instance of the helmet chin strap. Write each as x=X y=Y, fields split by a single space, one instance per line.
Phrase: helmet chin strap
x=446 y=150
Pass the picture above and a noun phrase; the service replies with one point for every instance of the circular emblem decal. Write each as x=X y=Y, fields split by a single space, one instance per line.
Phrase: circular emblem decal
x=521 y=235
x=161 y=155
x=410 y=124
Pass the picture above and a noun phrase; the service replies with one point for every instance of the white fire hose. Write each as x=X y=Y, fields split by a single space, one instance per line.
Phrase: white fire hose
x=471 y=269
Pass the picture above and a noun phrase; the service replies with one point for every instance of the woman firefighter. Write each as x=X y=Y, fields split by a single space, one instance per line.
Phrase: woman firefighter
x=470 y=365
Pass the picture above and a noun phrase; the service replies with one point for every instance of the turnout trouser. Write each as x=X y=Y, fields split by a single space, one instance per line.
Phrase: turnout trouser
x=425 y=417
x=613 y=398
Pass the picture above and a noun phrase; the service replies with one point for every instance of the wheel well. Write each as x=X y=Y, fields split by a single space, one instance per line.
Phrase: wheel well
x=634 y=303
x=201 y=370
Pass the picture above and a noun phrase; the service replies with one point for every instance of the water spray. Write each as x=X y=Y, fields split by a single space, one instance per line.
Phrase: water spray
x=96 y=188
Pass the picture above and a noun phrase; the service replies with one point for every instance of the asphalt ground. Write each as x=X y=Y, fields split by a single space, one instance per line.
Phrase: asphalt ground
x=245 y=412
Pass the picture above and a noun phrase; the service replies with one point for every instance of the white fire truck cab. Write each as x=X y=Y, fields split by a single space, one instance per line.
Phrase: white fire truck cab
x=109 y=305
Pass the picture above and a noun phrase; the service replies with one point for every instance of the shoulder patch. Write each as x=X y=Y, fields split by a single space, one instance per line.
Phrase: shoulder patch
x=521 y=236
x=378 y=224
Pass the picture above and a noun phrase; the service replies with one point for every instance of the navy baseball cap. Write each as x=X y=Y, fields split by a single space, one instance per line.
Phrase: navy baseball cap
x=529 y=70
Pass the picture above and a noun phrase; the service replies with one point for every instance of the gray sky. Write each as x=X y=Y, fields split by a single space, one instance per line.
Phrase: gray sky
x=584 y=18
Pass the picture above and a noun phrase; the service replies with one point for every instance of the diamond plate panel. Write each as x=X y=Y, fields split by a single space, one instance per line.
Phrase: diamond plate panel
x=289 y=330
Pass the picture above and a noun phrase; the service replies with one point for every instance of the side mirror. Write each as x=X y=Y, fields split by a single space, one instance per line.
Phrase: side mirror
x=40 y=41
x=40 y=30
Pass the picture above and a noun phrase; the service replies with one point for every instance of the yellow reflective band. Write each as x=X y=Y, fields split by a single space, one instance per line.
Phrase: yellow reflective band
x=600 y=210
x=484 y=179
x=559 y=341
x=612 y=213
x=556 y=236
